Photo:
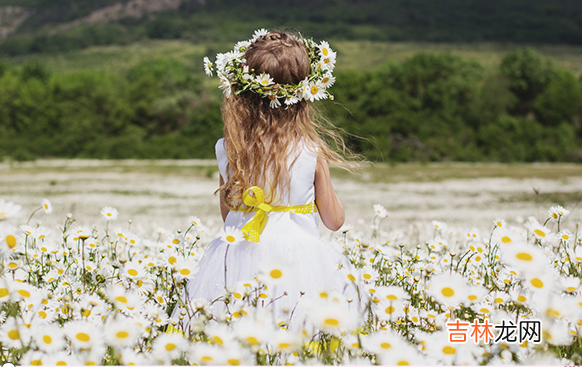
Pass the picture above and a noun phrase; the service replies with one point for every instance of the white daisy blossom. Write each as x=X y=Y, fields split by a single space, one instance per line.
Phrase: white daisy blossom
x=231 y=235
x=264 y=80
x=314 y=91
x=207 y=66
x=259 y=33
x=557 y=212
x=380 y=211
x=225 y=85
x=8 y=209
x=274 y=101
x=449 y=289
x=109 y=213
x=46 y=206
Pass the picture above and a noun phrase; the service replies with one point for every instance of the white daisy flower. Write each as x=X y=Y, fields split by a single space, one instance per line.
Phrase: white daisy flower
x=241 y=46
x=121 y=332
x=259 y=33
x=449 y=289
x=46 y=206
x=334 y=318
x=207 y=66
x=274 y=103
x=13 y=334
x=48 y=338
x=314 y=92
x=524 y=257
x=109 y=213
x=83 y=335
x=328 y=80
x=185 y=269
x=195 y=221
x=8 y=209
x=264 y=80
x=231 y=235
x=296 y=98
x=134 y=270
x=275 y=271
x=557 y=212
x=380 y=211
x=225 y=85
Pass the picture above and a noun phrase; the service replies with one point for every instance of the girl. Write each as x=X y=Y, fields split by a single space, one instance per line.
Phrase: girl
x=274 y=177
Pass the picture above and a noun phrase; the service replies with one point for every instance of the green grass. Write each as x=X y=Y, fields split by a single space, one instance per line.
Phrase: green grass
x=352 y=55
x=380 y=172
x=435 y=172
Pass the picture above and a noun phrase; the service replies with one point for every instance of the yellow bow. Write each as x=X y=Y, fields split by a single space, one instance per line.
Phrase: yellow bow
x=253 y=229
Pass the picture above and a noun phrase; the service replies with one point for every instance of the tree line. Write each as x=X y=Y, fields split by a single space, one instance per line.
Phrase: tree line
x=516 y=21
x=431 y=107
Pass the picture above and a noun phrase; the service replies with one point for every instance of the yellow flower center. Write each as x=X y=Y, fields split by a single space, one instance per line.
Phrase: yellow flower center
x=331 y=322
x=231 y=238
x=449 y=350
x=176 y=241
x=448 y=292
x=505 y=239
x=276 y=274
x=314 y=89
x=122 y=334
x=132 y=272
x=24 y=293
x=386 y=345
x=84 y=337
x=524 y=256
x=14 y=334
x=121 y=299
x=185 y=272
x=536 y=282
x=472 y=297
x=11 y=241
x=389 y=309
x=539 y=232
x=170 y=347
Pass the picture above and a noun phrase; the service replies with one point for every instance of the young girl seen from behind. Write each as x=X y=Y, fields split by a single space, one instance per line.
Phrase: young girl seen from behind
x=274 y=185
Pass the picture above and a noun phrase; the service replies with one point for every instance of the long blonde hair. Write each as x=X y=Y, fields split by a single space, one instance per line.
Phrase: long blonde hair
x=259 y=138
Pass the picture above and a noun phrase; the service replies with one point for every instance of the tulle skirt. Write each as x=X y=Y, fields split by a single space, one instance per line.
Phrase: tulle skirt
x=291 y=259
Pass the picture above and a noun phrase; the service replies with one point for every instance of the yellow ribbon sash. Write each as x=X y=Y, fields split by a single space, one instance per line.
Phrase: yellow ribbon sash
x=253 y=229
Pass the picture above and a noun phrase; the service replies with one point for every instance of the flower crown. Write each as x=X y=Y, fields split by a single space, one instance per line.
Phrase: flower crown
x=232 y=71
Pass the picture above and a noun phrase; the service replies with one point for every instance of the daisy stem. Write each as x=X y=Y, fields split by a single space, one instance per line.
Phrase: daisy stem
x=225 y=254
x=33 y=213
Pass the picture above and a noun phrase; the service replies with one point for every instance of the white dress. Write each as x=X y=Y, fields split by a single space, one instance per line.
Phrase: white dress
x=288 y=238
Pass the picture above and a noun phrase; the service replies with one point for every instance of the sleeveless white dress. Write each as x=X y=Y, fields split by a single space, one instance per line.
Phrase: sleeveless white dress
x=290 y=239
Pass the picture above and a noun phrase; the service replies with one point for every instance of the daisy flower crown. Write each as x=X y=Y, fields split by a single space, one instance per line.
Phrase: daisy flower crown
x=232 y=70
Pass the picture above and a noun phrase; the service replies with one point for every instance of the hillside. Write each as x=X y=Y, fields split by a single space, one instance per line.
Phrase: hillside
x=33 y=26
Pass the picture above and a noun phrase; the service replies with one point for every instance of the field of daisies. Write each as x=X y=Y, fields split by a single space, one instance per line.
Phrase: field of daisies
x=103 y=295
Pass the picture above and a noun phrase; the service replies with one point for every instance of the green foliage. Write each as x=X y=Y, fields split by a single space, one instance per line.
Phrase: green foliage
x=430 y=107
x=516 y=21
x=561 y=101
x=528 y=73
x=158 y=111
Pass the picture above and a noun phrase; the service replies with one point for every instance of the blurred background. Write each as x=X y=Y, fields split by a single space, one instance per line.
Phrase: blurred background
x=418 y=80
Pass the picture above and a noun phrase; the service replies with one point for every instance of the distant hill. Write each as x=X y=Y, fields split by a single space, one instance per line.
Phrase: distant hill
x=30 y=26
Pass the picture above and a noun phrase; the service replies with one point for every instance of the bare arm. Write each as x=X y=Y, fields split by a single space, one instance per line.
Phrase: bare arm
x=328 y=204
x=223 y=208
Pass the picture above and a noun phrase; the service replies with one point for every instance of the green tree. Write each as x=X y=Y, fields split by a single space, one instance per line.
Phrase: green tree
x=528 y=74
x=561 y=101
